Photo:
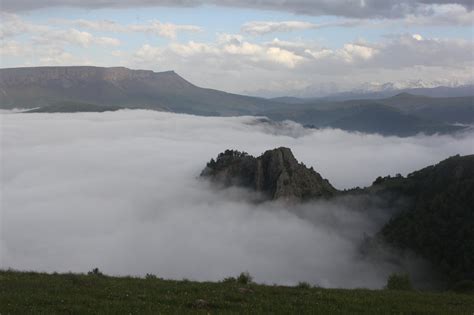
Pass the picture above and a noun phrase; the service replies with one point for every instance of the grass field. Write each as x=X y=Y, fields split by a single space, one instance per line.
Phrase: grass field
x=39 y=293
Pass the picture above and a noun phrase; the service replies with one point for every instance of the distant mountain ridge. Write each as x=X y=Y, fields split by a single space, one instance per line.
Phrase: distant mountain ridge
x=370 y=92
x=118 y=86
x=403 y=114
x=96 y=89
x=438 y=91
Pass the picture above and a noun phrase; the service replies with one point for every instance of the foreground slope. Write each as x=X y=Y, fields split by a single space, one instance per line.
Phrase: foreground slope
x=35 y=293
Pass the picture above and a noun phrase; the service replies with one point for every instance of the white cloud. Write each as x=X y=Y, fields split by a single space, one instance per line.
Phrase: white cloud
x=350 y=52
x=154 y=27
x=223 y=38
x=268 y=27
x=13 y=25
x=320 y=53
x=75 y=199
x=227 y=47
x=72 y=37
x=62 y=58
x=13 y=48
x=38 y=54
x=149 y=53
x=284 y=57
x=107 y=41
x=42 y=44
x=190 y=49
x=245 y=65
x=265 y=27
x=42 y=34
x=167 y=30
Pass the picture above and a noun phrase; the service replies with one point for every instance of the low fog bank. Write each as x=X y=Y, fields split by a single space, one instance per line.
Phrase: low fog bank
x=120 y=191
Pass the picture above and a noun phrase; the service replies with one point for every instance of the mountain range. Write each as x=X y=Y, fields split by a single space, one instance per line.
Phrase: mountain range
x=96 y=89
x=330 y=91
x=392 y=90
x=403 y=114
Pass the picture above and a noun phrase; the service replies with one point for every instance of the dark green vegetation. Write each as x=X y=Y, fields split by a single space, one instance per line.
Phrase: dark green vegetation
x=434 y=206
x=438 y=223
x=402 y=115
x=36 y=293
x=399 y=282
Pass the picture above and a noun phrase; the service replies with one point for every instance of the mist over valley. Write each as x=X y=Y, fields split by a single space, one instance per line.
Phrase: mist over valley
x=121 y=191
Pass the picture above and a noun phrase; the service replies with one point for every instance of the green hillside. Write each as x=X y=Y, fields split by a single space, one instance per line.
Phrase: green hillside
x=439 y=222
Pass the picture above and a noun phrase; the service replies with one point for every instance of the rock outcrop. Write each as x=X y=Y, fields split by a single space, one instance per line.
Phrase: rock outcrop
x=276 y=174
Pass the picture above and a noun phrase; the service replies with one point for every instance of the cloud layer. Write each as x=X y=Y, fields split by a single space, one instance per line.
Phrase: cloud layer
x=119 y=191
x=283 y=65
x=346 y=8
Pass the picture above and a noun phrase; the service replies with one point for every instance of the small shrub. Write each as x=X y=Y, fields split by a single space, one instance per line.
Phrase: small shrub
x=229 y=280
x=399 y=282
x=150 y=276
x=464 y=286
x=303 y=285
x=95 y=272
x=244 y=278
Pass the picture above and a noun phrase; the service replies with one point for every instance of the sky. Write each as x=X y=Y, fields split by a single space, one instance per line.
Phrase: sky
x=269 y=48
x=121 y=191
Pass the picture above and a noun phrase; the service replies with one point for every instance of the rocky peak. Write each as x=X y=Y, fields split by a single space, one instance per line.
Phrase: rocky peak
x=276 y=173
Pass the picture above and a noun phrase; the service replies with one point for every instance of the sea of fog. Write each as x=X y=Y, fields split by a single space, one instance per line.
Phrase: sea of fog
x=120 y=191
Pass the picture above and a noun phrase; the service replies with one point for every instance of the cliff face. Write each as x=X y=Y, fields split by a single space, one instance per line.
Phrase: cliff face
x=44 y=75
x=276 y=174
